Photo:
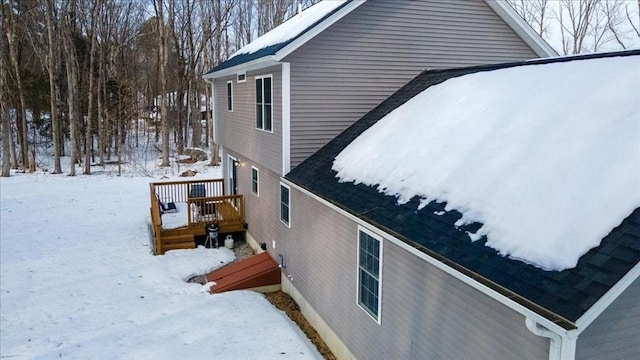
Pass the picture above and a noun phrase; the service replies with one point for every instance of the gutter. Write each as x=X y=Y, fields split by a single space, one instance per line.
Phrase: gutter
x=561 y=347
x=556 y=324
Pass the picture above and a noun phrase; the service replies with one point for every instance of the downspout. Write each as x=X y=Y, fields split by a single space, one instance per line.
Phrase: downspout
x=561 y=347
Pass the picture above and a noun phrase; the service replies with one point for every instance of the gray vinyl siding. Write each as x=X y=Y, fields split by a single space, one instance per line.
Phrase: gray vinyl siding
x=615 y=334
x=425 y=313
x=352 y=66
x=237 y=131
x=261 y=212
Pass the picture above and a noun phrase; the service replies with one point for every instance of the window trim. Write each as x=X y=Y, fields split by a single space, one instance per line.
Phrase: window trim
x=376 y=317
x=257 y=182
x=241 y=73
x=261 y=77
x=288 y=222
x=230 y=96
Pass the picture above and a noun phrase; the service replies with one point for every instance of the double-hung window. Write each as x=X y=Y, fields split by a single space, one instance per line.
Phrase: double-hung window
x=369 y=272
x=264 y=102
x=285 y=204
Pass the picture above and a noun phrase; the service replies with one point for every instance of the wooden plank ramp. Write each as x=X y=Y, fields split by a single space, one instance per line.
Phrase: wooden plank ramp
x=253 y=272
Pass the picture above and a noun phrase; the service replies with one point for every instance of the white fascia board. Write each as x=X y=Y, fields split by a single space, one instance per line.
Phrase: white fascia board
x=310 y=34
x=526 y=312
x=260 y=63
x=524 y=30
x=603 y=303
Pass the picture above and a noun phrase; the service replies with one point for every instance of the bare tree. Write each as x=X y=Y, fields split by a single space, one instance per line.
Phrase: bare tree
x=163 y=48
x=71 y=65
x=534 y=12
x=575 y=19
x=95 y=13
x=5 y=123
x=10 y=27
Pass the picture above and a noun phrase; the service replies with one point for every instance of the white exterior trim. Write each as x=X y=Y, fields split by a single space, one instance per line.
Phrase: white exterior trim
x=230 y=82
x=286 y=118
x=449 y=270
x=507 y=13
x=262 y=77
x=257 y=193
x=286 y=185
x=603 y=303
x=260 y=63
x=242 y=73
x=380 y=239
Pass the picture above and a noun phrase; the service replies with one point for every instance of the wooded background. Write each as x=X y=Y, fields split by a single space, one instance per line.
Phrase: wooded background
x=92 y=78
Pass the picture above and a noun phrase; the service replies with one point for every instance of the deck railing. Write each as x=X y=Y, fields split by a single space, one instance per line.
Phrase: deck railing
x=206 y=203
x=181 y=191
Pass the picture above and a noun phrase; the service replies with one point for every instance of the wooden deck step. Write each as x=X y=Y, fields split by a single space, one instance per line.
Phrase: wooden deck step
x=175 y=242
x=256 y=271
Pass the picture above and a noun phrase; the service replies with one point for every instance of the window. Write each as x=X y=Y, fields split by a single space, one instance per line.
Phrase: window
x=254 y=180
x=242 y=77
x=285 y=204
x=263 y=103
x=229 y=95
x=369 y=272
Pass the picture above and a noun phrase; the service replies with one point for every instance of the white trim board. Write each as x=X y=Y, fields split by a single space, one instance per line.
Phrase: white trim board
x=286 y=118
x=603 y=303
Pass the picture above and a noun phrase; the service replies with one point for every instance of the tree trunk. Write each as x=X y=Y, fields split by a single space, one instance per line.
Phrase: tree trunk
x=52 y=67
x=162 y=46
x=71 y=64
x=21 y=118
x=5 y=123
x=89 y=130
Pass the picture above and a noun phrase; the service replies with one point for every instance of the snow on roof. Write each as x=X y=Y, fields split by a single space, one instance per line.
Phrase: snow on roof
x=546 y=157
x=291 y=28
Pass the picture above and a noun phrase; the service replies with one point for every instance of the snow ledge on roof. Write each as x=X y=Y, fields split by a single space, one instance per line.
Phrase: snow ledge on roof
x=545 y=156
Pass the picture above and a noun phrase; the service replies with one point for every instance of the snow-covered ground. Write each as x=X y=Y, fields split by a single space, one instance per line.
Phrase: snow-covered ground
x=78 y=281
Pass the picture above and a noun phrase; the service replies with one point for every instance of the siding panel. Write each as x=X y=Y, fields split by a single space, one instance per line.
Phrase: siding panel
x=615 y=334
x=348 y=69
x=425 y=314
x=237 y=131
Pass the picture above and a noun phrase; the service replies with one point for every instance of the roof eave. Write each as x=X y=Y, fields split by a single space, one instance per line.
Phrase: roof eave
x=259 y=63
x=551 y=320
x=603 y=303
x=271 y=60
x=517 y=23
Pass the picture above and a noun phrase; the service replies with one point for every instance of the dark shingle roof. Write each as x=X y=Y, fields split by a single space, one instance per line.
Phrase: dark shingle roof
x=269 y=50
x=567 y=294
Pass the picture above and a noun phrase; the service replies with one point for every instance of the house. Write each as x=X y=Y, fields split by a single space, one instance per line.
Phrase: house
x=283 y=96
x=488 y=212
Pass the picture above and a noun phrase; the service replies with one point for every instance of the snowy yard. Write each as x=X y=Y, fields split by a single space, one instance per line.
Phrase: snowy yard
x=78 y=281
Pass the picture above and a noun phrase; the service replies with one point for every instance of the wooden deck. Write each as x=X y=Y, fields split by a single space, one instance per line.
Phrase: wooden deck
x=204 y=203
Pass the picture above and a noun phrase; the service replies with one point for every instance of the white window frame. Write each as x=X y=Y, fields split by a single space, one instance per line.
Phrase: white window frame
x=376 y=317
x=288 y=222
x=242 y=73
x=257 y=182
x=268 y=76
x=230 y=95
